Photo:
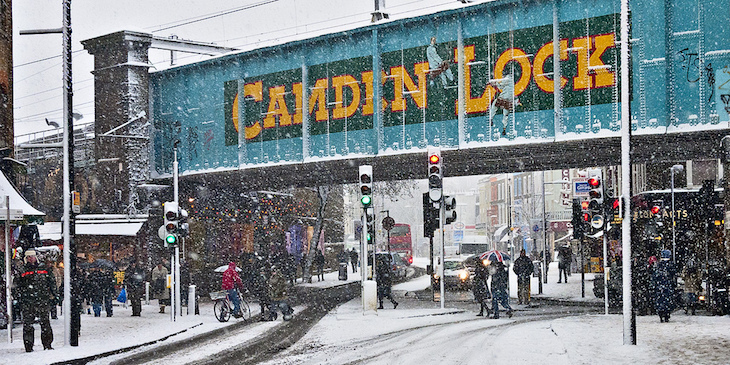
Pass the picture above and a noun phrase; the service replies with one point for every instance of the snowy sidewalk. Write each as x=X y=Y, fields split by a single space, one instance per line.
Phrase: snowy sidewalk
x=103 y=334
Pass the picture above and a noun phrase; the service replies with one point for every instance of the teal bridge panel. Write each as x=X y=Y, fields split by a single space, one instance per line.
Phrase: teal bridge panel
x=479 y=76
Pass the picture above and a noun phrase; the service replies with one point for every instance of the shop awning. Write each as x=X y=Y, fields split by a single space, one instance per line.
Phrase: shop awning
x=93 y=227
x=16 y=200
x=500 y=232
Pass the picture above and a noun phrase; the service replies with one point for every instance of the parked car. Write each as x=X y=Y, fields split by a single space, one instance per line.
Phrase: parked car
x=456 y=275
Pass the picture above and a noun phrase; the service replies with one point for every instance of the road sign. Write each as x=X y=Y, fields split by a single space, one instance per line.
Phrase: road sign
x=580 y=187
x=388 y=223
x=458 y=236
x=76 y=197
x=15 y=214
x=536 y=228
x=162 y=232
x=597 y=221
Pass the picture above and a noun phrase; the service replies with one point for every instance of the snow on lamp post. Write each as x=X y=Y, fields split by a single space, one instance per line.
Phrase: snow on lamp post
x=673 y=169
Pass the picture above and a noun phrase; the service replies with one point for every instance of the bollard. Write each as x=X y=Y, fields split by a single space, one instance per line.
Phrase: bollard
x=147 y=292
x=192 y=299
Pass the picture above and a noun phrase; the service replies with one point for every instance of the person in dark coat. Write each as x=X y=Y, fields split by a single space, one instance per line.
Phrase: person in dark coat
x=523 y=267
x=95 y=290
x=384 y=282
x=480 y=288
x=278 y=292
x=353 y=259
x=134 y=280
x=664 y=279
x=319 y=265
x=565 y=258
x=257 y=282
x=500 y=295
x=36 y=289
x=107 y=289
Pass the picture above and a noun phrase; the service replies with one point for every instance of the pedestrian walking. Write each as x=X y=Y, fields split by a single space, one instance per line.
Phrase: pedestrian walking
x=159 y=286
x=319 y=265
x=664 y=279
x=565 y=257
x=384 y=282
x=692 y=286
x=108 y=291
x=481 y=289
x=95 y=290
x=58 y=280
x=278 y=292
x=523 y=267
x=499 y=288
x=36 y=289
x=134 y=281
x=353 y=259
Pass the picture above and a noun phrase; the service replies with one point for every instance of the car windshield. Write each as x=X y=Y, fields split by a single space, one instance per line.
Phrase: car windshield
x=453 y=265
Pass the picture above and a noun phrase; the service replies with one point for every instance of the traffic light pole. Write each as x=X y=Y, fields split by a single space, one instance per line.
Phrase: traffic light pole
x=175 y=262
x=442 y=221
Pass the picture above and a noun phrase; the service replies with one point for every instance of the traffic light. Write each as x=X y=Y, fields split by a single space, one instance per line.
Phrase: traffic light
x=595 y=202
x=171 y=223
x=366 y=185
x=184 y=227
x=449 y=208
x=435 y=174
x=430 y=216
x=578 y=220
x=370 y=225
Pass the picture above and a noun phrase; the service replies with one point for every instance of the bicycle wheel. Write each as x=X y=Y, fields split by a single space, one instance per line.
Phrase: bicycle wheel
x=222 y=311
x=245 y=310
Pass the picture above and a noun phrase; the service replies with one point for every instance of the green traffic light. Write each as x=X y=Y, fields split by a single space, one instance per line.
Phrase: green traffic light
x=171 y=239
x=366 y=200
x=369 y=238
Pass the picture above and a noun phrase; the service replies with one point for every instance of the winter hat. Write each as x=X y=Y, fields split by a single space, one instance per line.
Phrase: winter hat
x=28 y=253
x=666 y=254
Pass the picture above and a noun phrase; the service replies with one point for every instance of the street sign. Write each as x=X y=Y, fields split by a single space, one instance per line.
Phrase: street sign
x=536 y=228
x=458 y=236
x=597 y=221
x=580 y=187
x=76 y=197
x=388 y=223
x=15 y=214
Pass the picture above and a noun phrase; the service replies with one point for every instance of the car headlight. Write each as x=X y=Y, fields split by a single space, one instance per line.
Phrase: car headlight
x=701 y=298
x=463 y=275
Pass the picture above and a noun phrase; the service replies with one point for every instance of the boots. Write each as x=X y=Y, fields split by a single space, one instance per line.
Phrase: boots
x=381 y=305
x=162 y=309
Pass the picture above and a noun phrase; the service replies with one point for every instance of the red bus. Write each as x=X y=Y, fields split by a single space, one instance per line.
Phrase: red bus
x=400 y=241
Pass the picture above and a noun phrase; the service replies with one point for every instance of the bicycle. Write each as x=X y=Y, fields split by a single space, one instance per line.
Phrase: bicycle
x=223 y=307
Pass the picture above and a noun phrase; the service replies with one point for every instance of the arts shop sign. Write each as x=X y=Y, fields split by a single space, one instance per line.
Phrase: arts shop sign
x=415 y=88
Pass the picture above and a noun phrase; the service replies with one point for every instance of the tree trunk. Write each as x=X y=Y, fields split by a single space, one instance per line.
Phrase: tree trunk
x=322 y=194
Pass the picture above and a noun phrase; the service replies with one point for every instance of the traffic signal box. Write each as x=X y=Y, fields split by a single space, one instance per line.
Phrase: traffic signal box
x=366 y=199
x=430 y=216
x=435 y=175
x=172 y=222
x=578 y=220
x=449 y=207
x=595 y=203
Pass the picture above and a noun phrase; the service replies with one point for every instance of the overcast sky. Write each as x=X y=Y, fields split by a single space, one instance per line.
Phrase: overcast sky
x=38 y=84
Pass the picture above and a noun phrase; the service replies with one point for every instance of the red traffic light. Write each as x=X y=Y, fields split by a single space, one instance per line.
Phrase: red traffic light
x=594 y=182
x=655 y=209
x=586 y=217
x=434 y=159
x=584 y=204
x=616 y=204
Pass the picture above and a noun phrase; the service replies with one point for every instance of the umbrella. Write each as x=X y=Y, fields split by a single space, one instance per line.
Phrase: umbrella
x=103 y=264
x=224 y=268
x=494 y=255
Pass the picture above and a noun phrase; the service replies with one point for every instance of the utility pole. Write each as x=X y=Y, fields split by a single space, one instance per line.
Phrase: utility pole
x=71 y=303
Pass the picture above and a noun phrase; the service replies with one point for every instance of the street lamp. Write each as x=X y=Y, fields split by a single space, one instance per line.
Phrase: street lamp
x=673 y=169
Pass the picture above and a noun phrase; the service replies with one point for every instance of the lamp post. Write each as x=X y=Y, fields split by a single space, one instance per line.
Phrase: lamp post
x=673 y=169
